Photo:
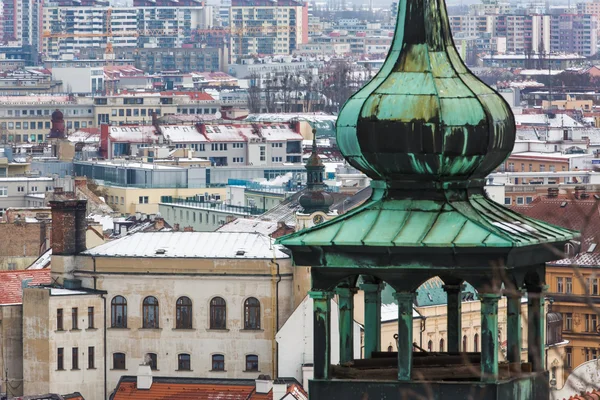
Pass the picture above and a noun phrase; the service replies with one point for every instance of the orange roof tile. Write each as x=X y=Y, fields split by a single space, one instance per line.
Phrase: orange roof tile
x=10 y=282
x=198 y=389
x=595 y=395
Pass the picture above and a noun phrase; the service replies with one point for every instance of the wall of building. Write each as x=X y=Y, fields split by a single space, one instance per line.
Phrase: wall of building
x=88 y=381
x=38 y=359
x=25 y=244
x=197 y=279
x=200 y=219
x=129 y=198
x=11 y=348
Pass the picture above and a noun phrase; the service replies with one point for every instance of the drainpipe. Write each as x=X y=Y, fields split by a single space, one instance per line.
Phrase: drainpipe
x=275 y=348
x=105 y=365
x=423 y=322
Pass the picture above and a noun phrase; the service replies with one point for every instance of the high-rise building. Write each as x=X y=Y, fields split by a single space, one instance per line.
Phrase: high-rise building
x=574 y=33
x=22 y=23
x=267 y=27
x=70 y=29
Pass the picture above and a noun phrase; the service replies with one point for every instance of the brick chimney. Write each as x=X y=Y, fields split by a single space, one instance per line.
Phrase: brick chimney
x=159 y=223
x=69 y=226
x=80 y=182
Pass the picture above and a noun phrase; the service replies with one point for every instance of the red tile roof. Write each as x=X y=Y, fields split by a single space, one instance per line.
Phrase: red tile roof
x=595 y=395
x=198 y=389
x=192 y=95
x=568 y=212
x=10 y=282
x=182 y=391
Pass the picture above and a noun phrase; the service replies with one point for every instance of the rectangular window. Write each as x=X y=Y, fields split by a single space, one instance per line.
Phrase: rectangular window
x=542 y=168
x=528 y=199
x=559 y=285
x=143 y=199
x=90 y=317
x=91 y=357
x=74 y=317
x=507 y=201
x=568 y=285
x=59 y=319
x=60 y=359
x=3 y=191
x=569 y=357
x=520 y=200
x=568 y=321
x=75 y=358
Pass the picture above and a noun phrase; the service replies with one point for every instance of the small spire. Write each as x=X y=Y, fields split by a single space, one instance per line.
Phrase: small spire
x=314 y=145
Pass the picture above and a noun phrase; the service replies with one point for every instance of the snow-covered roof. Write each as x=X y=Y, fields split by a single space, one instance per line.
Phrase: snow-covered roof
x=106 y=221
x=182 y=134
x=42 y=261
x=559 y=120
x=249 y=225
x=191 y=245
x=389 y=312
x=553 y=155
x=65 y=292
x=137 y=134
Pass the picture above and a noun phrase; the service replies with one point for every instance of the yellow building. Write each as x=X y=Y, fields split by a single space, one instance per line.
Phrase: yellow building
x=571 y=103
x=131 y=200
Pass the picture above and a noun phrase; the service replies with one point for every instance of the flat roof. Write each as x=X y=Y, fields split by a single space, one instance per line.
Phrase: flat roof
x=233 y=245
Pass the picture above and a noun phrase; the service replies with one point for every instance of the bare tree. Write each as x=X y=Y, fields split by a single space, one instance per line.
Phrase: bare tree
x=254 y=94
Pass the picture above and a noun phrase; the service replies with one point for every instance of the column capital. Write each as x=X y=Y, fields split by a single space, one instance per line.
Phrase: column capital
x=404 y=296
x=454 y=287
x=320 y=294
x=371 y=287
x=513 y=293
x=489 y=297
x=345 y=291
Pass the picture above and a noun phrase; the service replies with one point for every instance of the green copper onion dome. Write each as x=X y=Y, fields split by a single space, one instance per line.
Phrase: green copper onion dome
x=315 y=198
x=425 y=121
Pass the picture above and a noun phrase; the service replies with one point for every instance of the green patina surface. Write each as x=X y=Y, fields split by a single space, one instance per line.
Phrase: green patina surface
x=489 y=337
x=473 y=222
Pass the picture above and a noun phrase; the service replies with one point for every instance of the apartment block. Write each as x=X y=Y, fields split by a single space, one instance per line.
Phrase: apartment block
x=266 y=27
x=28 y=118
x=575 y=33
x=71 y=29
x=524 y=33
x=22 y=23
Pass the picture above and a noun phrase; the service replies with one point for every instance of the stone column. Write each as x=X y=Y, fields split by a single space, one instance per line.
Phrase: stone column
x=321 y=333
x=489 y=336
x=405 y=334
x=454 y=306
x=346 y=322
x=513 y=327
x=536 y=321
x=372 y=317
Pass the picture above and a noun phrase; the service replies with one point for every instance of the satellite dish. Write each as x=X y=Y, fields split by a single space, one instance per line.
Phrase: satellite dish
x=218 y=115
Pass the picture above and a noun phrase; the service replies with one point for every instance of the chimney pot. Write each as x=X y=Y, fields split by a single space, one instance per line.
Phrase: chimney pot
x=144 y=377
x=264 y=384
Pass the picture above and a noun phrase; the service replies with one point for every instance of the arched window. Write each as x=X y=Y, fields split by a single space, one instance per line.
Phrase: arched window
x=183 y=313
x=476 y=343
x=218 y=313
x=430 y=346
x=118 y=312
x=464 y=346
x=183 y=362
x=118 y=360
x=441 y=344
x=150 y=313
x=251 y=362
x=251 y=313
x=152 y=360
x=390 y=349
x=218 y=362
